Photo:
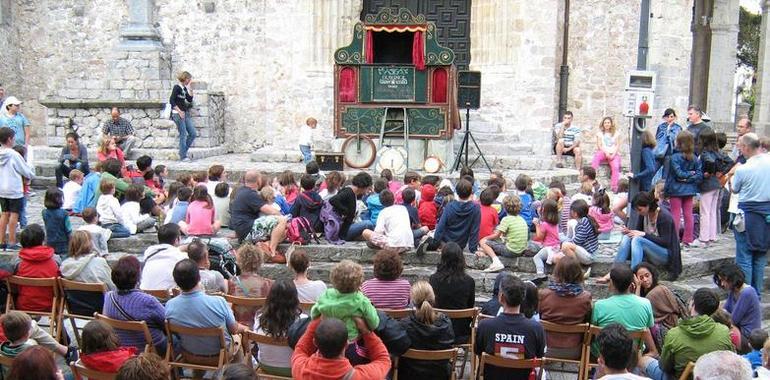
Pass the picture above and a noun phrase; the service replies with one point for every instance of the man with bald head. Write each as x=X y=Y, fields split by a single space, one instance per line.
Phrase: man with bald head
x=752 y=184
x=253 y=219
x=121 y=131
x=320 y=353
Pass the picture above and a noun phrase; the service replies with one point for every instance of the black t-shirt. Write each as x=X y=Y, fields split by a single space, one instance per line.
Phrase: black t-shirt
x=513 y=336
x=456 y=293
x=244 y=209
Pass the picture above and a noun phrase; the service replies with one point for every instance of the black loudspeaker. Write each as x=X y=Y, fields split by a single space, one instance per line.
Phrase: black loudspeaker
x=469 y=89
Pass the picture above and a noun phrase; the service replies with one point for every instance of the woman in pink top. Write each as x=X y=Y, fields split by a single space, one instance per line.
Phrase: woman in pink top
x=201 y=217
x=602 y=213
x=547 y=236
x=109 y=149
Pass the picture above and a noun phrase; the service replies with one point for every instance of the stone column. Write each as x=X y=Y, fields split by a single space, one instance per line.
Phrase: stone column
x=721 y=82
x=139 y=33
x=761 y=120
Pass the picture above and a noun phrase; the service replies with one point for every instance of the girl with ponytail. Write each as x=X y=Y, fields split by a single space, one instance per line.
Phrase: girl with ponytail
x=428 y=330
x=586 y=241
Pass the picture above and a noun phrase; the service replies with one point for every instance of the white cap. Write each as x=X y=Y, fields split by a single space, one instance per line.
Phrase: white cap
x=12 y=100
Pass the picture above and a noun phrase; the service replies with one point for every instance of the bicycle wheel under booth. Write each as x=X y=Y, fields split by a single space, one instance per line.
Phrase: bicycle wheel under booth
x=359 y=151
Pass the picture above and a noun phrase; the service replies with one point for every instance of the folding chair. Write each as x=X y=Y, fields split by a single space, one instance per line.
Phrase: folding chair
x=498 y=361
x=133 y=326
x=687 y=371
x=249 y=337
x=581 y=328
x=79 y=371
x=190 y=360
x=450 y=355
x=76 y=298
x=13 y=282
x=593 y=332
x=397 y=313
x=162 y=295
x=472 y=314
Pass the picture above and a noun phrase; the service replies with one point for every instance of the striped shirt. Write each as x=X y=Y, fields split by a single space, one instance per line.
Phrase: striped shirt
x=387 y=294
x=585 y=236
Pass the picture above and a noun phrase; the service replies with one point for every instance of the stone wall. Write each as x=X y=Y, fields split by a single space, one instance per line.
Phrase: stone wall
x=154 y=132
x=8 y=47
x=603 y=48
x=272 y=60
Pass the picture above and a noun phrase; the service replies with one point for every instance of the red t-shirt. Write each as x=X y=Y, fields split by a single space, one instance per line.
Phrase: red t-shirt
x=489 y=221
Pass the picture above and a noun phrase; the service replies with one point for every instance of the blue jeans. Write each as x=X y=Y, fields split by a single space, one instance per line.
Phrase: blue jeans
x=356 y=229
x=752 y=264
x=636 y=249
x=654 y=371
x=307 y=156
x=118 y=230
x=23 y=212
x=186 y=133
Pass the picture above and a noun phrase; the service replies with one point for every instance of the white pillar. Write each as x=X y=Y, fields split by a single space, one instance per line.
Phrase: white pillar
x=724 y=42
x=761 y=120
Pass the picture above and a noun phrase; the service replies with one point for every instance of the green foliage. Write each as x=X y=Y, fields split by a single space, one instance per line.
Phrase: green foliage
x=748 y=39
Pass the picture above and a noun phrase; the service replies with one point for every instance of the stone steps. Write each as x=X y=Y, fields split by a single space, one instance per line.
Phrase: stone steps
x=236 y=164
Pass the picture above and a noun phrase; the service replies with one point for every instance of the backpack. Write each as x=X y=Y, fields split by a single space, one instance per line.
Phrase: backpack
x=222 y=257
x=332 y=223
x=299 y=230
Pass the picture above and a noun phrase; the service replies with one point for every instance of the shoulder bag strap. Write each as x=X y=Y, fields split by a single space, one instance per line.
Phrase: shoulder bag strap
x=120 y=309
x=349 y=375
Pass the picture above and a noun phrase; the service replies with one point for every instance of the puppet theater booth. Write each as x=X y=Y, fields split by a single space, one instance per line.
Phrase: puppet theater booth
x=395 y=85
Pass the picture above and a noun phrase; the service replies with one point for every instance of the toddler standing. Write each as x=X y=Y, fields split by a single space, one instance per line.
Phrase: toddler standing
x=57 y=222
x=306 y=139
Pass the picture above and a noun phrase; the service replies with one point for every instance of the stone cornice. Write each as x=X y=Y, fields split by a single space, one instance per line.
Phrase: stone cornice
x=100 y=103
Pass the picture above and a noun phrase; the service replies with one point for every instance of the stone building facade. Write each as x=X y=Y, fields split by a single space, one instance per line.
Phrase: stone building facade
x=271 y=61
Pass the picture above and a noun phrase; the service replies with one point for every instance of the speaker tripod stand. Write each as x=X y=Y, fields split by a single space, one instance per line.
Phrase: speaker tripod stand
x=464 y=146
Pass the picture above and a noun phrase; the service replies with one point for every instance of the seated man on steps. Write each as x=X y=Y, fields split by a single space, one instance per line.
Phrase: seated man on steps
x=255 y=220
x=121 y=131
x=194 y=308
x=692 y=338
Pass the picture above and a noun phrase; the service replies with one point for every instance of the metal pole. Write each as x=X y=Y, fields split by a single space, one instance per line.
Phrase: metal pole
x=564 y=68
x=644 y=36
x=467 y=132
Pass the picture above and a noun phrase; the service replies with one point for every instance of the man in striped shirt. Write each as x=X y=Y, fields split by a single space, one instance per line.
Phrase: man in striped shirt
x=567 y=141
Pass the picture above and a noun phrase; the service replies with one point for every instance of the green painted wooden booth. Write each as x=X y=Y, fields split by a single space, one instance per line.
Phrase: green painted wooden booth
x=394 y=62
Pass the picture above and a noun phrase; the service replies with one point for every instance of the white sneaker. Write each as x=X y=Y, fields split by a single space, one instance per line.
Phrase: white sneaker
x=496 y=266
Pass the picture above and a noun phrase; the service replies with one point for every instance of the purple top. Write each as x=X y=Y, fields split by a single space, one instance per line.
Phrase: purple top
x=746 y=312
x=140 y=307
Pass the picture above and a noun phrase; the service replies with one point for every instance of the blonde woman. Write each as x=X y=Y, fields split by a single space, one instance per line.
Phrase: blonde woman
x=428 y=330
x=181 y=103
x=608 y=146
x=109 y=149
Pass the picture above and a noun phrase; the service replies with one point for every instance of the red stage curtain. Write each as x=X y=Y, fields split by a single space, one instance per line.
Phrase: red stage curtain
x=418 y=52
x=439 y=86
x=347 y=85
x=369 y=46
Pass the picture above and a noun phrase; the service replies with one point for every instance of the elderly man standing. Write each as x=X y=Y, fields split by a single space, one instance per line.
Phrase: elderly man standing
x=752 y=184
x=121 y=131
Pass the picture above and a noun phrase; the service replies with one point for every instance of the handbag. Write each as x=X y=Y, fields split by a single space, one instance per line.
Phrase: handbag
x=166 y=113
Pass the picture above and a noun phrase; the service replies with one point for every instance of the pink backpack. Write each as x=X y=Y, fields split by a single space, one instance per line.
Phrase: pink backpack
x=300 y=231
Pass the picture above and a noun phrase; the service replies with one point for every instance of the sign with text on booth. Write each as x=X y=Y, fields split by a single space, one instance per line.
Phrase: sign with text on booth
x=395 y=83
